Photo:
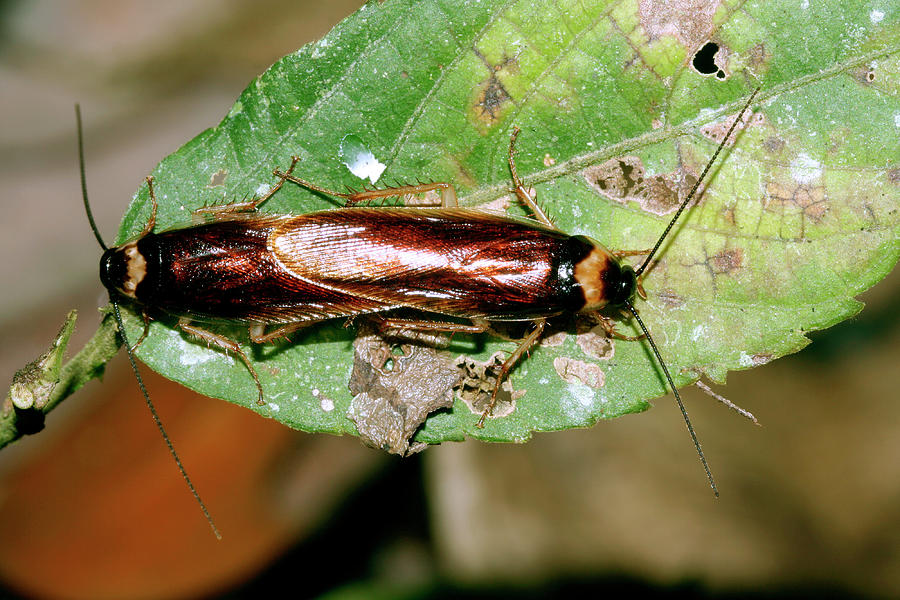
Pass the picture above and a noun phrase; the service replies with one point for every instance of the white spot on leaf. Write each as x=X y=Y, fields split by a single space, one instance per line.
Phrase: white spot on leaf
x=359 y=159
x=196 y=354
x=805 y=169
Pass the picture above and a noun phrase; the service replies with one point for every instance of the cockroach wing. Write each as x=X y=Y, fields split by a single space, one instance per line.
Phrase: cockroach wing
x=458 y=262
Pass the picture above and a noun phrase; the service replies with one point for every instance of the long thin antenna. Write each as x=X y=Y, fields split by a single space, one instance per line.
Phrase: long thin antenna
x=84 y=193
x=687 y=420
x=121 y=326
x=157 y=420
x=696 y=186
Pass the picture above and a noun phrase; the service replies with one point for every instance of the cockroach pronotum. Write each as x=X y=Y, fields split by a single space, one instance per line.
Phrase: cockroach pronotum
x=289 y=271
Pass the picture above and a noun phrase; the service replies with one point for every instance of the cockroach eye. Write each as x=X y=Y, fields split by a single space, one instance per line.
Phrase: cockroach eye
x=619 y=284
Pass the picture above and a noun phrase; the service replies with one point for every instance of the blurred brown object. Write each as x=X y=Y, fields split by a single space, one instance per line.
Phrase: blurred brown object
x=100 y=511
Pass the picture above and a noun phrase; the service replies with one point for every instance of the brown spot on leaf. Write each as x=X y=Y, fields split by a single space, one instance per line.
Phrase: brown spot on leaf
x=592 y=338
x=660 y=195
x=549 y=161
x=395 y=392
x=670 y=299
x=717 y=131
x=864 y=74
x=688 y=21
x=477 y=382
x=218 y=179
x=498 y=205
x=622 y=180
x=893 y=176
x=758 y=58
x=726 y=261
x=578 y=371
x=554 y=339
x=617 y=178
x=762 y=358
x=774 y=144
x=728 y=214
x=491 y=97
x=810 y=200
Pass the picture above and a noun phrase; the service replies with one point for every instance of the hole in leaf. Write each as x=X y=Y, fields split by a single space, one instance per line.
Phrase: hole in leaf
x=704 y=60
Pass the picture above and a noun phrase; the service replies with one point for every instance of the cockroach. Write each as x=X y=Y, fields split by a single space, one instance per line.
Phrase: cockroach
x=289 y=271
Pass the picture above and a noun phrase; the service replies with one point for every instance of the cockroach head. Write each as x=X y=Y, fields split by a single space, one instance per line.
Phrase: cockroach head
x=620 y=283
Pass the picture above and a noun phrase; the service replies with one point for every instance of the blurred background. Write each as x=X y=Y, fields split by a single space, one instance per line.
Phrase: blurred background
x=93 y=507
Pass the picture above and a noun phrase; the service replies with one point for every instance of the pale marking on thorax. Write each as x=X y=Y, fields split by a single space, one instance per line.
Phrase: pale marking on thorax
x=136 y=271
x=588 y=274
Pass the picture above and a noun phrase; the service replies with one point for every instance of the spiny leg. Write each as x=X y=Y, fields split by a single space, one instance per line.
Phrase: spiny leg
x=416 y=325
x=144 y=333
x=609 y=326
x=475 y=327
x=509 y=363
x=739 y=410
x=520 y=190
x=258 y=333
x=249 y=205
x=447 y=191
x=225 y=344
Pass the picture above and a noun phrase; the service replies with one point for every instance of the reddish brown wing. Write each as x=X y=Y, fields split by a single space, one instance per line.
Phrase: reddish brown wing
x=224 y=270
x=459 y=262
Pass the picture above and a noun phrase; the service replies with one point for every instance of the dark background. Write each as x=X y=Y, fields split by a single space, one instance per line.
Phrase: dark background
x=93 y=507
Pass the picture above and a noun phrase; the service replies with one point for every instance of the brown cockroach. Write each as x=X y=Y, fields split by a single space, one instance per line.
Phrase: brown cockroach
x=285 y=272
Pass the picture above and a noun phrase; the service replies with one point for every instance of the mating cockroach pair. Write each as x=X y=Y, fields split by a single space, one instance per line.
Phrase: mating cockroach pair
x=283 y=272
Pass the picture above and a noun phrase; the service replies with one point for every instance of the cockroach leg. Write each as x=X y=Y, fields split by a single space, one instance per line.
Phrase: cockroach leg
x=249 y=205
x=225 y=344
x=151 y=222
x=145 y=333
x=258 y=333
x=411 y=324
x=609 y=326
x=741 y=411
x=620 y=254
x=509 y=363
x=520 y=190
x=447 y=191
x=640 y=289
x=478 y=326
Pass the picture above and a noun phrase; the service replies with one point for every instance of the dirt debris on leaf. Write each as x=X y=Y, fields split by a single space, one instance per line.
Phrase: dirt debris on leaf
x=396 y=386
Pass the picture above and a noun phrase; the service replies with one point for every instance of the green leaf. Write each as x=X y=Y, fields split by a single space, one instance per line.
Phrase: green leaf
x=797 y=218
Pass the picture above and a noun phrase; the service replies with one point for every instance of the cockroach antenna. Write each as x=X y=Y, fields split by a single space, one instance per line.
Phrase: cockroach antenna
x=121 y=326
x=627 y=304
